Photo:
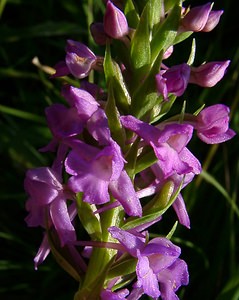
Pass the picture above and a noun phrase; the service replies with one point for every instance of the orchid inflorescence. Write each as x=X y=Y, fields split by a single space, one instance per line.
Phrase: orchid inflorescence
x=121 y=160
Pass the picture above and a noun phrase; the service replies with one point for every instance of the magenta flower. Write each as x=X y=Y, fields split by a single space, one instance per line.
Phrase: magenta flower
x=97 y=126
x=82 y=100
x=169 y=145
x=79 y=61
x=172 y=278
x=209 y=74
x=154 y=260
x=47 y=203
x=115 y=22
x=201 y=18
x=63 y=121
x=174 y=80
x=212 y=124
x=97 y=173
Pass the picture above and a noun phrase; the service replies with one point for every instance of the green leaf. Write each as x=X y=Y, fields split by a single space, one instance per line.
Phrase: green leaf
x=169 y=4
x=2 y=6
x=192 y=53
x=160 y=200
x=46 y=29
x=231 y=290
x=131 y=158
x=166 y=32
x=112 y=113
x=114 y=75
x=89 y=220
x=182 y=36
x=145 y=96
x=144 y=161
x=165 y=108
x=131 y=14
x=123 y=267
x=209 y=178
x=22 y=114
x=140 y=43
x=154 y=12
x=171 y=232
x=143 y=105
x=155 y=209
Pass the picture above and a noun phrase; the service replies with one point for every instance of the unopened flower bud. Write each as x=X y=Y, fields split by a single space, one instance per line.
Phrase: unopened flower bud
x=98 y=33
x=196 y=18
x=115 y=22
x=209 y=74
x=213 y=20
x=118 y=3
x=173 y=80
x=212 y=124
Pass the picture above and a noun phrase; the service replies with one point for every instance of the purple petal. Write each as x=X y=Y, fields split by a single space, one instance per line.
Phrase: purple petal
x=43 y=185
x=79 y=67
x=37 y=214
x=62 y=121
x=161 y=253
x=95 y=189
x=209 y=74
x=61 y=69
x=181 y=211
x=213 y=124
x=61 y=220
x=217 y=138
x=109 y=295
x=79 y=59
x=172 y=278
x=196 y=18
x=115 y=22
x=83 y=101
x=43 y=252
x=131 y=242
x=80 y=49
x=122 y=189
x=213 y=20
x=193 y=163
x=98 y=127
x=146 y=278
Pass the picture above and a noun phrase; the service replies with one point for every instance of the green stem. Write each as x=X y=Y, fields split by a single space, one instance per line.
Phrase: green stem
x=101 y=258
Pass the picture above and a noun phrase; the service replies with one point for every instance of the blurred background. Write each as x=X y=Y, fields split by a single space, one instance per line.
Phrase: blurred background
x=39 y=29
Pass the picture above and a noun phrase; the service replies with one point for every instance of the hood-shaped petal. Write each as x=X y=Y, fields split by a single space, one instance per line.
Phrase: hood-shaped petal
x=83 y=101
x=62 y=121
x=43 y=185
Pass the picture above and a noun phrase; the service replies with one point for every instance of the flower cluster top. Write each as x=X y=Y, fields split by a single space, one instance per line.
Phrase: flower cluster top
x=120 y=161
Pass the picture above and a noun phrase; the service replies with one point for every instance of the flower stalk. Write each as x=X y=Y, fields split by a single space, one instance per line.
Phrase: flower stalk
x=121 y=160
